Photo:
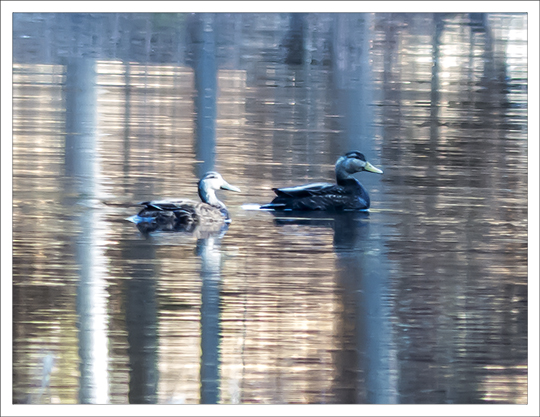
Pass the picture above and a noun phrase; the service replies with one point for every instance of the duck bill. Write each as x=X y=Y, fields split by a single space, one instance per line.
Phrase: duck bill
x=371 y=168
x=230 y=187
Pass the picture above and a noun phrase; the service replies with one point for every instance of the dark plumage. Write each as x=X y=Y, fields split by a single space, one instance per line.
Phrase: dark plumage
x=347 y=194
x=186 y=215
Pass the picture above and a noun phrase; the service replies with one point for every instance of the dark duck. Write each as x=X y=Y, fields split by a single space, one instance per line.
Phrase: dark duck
x=347 y=195
x=186 y=215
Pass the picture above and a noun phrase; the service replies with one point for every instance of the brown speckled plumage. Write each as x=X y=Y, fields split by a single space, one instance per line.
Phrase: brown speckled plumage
x=187 y=215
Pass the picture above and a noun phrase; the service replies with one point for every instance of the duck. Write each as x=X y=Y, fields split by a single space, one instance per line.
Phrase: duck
x=186 y=215
x=348 y=194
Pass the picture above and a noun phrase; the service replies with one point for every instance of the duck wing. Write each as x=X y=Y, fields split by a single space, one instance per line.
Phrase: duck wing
x=310 y=190
x=168 y=205
x=163 y=208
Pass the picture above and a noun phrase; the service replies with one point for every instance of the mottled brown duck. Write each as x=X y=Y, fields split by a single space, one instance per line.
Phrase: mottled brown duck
x=184 y=214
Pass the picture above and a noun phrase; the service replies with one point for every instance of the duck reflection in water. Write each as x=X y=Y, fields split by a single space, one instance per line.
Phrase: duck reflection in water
x=208 y=217
x=350 y=227
x=363 y=357
x=347 y=195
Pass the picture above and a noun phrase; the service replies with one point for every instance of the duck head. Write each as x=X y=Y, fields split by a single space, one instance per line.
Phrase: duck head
x=351 y=163
x=209 y=184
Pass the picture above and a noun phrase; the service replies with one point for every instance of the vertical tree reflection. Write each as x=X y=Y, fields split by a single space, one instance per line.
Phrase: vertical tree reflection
x=81 y=167
x=363 y=275
x=142 y=324
x=202 y=43
x=209 y=250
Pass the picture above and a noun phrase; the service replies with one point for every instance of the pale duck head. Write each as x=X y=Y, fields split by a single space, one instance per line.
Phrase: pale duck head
x=209 y=184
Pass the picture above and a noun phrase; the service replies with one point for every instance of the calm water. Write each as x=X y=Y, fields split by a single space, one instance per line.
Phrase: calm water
x=423 y=300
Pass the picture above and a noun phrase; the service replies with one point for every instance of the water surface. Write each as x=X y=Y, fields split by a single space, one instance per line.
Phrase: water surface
x=421 y=300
